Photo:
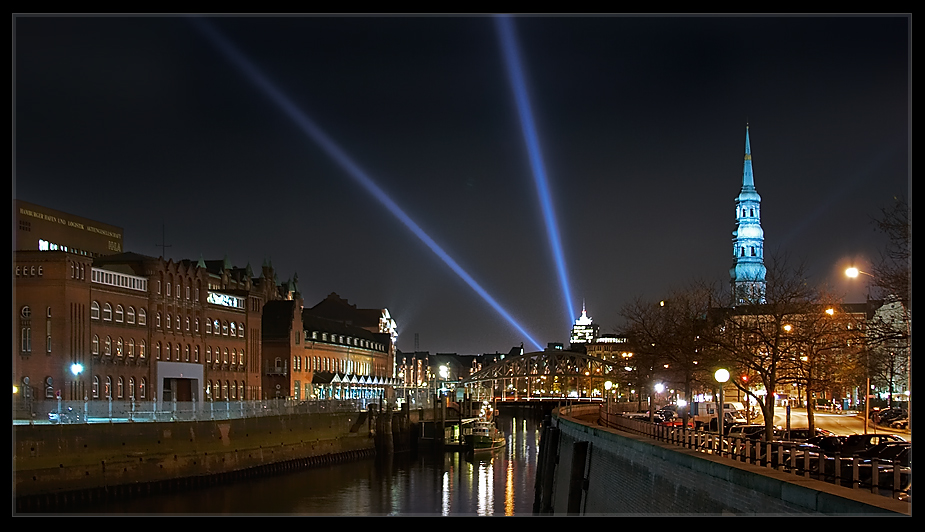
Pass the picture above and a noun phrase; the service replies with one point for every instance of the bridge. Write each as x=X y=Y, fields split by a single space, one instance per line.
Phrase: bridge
x=550 y=374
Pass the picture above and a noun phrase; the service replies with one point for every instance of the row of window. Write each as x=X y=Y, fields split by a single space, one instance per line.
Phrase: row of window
x=223 y=328
x=225 y=389
x=121 y=280
x=29 y=271
x=124 y=389
x=341 y=339
x=335 y=365
x=118 y=347
x=120 y=315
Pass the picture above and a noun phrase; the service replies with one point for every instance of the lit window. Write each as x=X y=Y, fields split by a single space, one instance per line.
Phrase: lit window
x=95 y=387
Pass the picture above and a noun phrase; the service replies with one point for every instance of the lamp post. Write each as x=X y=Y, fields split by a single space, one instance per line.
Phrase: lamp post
x=607 y=386
x=721 y=376
x=853 y=273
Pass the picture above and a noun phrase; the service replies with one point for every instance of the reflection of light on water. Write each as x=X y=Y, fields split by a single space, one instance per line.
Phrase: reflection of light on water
x=446 y=493
x=509 y=489
x=486 y=500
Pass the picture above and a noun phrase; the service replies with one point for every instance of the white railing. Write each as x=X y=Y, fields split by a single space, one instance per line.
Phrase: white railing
x=121 y=411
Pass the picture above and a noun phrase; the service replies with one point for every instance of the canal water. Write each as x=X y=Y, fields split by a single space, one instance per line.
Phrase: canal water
x=425 y=483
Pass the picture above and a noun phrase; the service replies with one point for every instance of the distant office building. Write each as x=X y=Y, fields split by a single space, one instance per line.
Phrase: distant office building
x=42 y=229
x=584 y=330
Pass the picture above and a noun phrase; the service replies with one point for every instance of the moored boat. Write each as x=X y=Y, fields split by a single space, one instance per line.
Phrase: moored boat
x=484 y=436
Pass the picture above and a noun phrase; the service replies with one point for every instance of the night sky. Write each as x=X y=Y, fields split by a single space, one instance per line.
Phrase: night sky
x=145 y=123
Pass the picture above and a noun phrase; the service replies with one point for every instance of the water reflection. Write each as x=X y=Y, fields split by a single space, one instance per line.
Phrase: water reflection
x=429 y=483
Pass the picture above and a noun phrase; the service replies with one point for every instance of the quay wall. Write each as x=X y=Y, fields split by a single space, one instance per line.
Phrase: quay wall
x=54 y=464
x=598 y=470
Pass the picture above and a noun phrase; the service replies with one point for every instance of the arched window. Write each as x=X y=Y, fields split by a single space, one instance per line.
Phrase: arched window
x=157 y=320
x=141 y=388
x=225 y=357
x=141 y=348
x=131 y=388
x=186 y=354
x=208 y=326
x=120 y=314
x=130 y=348
x=130 y=315
x=95 y=387
x=157 y=350
x=169 y=322
x=142 y=317
x=107 y=312
x=95 y=345
x=119 y=345
x=234 y=329
x=107 y=390
x=196 y=354
x=107 y=347
x=120 y=385
x=187 y=323
x=197 y=325
x=224 y=328
x=176 y=352
x=208 y=354
x=167 y=351
x=94 y=310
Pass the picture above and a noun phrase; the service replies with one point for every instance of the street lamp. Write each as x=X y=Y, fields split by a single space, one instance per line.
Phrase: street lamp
x=853 y=273
x=722 y=377
x=607 y=386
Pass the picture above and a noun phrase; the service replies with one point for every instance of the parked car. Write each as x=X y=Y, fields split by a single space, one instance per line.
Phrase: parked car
x=800 y=434
x=858 y=443
x=752 y=432
x=68 y=415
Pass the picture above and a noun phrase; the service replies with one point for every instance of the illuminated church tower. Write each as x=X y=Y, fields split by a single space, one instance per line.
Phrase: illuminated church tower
x=748 y=271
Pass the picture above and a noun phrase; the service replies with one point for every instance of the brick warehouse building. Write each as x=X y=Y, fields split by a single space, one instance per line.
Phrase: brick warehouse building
x=303 y=351
x=148 y=328
x=141 y=327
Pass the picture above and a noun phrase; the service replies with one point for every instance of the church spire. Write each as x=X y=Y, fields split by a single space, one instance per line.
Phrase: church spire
x=748 y=271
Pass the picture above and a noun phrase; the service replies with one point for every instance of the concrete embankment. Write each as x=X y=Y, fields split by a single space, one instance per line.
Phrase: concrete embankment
x=56 y=466
x=586 y=469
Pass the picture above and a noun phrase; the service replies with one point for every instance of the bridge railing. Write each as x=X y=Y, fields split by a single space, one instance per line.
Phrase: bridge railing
x=795 y=458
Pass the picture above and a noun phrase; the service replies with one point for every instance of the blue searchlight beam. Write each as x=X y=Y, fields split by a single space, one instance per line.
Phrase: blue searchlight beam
x=512 y=58
x=352 y=169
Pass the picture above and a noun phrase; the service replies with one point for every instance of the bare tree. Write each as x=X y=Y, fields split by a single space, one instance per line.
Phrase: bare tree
x=668 y=337
x=757 y=339
x=828 y=338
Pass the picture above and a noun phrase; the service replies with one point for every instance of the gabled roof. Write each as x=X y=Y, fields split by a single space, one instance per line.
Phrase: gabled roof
x=336 y=308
